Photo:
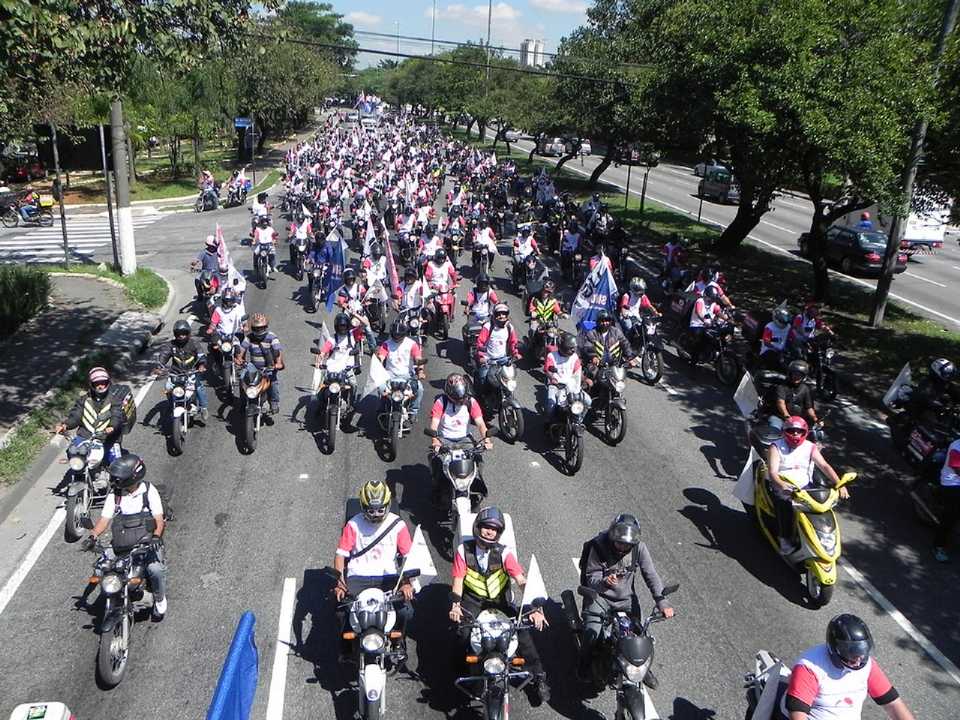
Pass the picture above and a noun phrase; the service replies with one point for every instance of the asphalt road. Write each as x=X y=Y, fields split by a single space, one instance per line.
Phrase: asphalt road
x=925 y=286
x=244 y=524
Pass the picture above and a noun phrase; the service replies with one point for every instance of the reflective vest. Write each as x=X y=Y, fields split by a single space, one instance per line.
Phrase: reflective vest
x=96 y=419
x=543 y=310
x=489 y=585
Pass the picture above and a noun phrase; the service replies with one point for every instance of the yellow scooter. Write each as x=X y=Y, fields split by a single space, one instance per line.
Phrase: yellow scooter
x=815 y=525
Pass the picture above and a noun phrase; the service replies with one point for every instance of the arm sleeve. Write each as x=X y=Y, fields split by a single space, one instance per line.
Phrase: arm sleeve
x=109 y=507
x=645 y=302
x=511 y=565
x=803 y=690
x=437 y=410
x=154 y=501
x=348 y=538
x=767 y=335
x=75 y=414
x=549 y=365
x=594 y=569
x=459 y=564
x=879 y=687
x=404 y=541
x=650 y=576
x=415 y=352
x=475 y=412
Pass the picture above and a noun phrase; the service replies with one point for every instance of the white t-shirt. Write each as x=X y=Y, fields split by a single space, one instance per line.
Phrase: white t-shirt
x=399 y=360
x=496 y=347
x=229 y=322
x=132 y=503
x=797 y=463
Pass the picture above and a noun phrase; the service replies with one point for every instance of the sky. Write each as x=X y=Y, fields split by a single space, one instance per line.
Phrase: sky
x=512 y=22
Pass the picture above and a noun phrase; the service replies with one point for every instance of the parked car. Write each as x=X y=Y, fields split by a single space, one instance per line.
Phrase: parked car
x=585 y=148
x=854 y=250
x=720 y=184
x=700 y=169
x=552 y=147
x=512 y=135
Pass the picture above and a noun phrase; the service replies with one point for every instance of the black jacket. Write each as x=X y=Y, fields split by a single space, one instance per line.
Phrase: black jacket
x=186 y=358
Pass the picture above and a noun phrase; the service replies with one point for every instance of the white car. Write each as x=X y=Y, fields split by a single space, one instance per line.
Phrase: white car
x=700 y=169
x=585 y=148
x=512 y=135
x=553 y=147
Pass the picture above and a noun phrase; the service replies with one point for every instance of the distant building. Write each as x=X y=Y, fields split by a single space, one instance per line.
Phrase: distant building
x=531 y=53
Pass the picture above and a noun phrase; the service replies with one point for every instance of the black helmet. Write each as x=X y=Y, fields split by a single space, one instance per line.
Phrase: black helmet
x=262 y=198
x=264 y=221
x=483 y=281
x=229 y=298
x=604 y=316
x=398 y=331
x=489 y=517
x=440 y=256
x=624 y=529
x=798 y=370
x=455 y=387
x=849 y=641
x=341 y=323
x=547 y=287
x=126 y=471
x=349 y=274
x=943 y=369
x=781 y=316
x=375 y=251
x=711 y=294
x=181 y=330
x=568 y=345
x=409 y=274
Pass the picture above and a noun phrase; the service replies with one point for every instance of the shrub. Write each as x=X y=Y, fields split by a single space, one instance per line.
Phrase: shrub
x=23 y=293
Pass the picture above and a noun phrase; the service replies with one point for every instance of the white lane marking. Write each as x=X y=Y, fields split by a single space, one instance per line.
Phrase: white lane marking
x=576 y=565
x=142 y=392
x=670 y=390
x=303 y=476
x=908 y=627
x=278 y=676
x=20 y=574
x=928 y=280
x=779 y=227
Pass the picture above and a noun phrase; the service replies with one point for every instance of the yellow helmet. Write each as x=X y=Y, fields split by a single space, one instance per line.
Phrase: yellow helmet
x=375 y=499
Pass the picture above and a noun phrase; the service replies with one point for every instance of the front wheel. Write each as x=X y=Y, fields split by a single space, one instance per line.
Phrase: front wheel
x=250 y=432
x=198 y=205
x=511 y=421
x=614 y=424
x=77 y=508
x=444 y=322
x=573 y=453
x=177 y=434
x=332 y=428
x=394 y=431
x=819 y=595
x=45 y=218
x=113 y=653
x=10 y=218
x=372 y=710
x=727 y=368
x=651 y=365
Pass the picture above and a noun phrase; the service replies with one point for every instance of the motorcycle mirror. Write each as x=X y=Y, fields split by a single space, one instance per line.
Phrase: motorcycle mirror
x=410 y=574
x=671 y=589
x=429 y=432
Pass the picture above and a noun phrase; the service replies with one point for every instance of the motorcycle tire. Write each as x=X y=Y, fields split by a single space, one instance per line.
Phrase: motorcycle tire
x=511 y=422
x=45 y=218
x=573 y=454
x=77 y=508
x=113 y=654
x=727 y=368
x=818 y=595
x=331 y=439
x=177 y=435
x=444 y=325
x=614 y=432
x=572 y=613
x=373 y=710
x=651 y=366
x=828 y=387
x=250 y=433
x=10 y=219
x=394 y=430
x=198 y=206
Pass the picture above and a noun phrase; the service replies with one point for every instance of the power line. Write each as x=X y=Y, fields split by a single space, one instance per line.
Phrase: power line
x=435 y=58
x=515 y=51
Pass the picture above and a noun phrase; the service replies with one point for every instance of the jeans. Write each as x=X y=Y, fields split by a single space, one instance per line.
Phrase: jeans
x=628 y=323
x=111 y=447
x=199 y=388
x=157 y=572
x=950 y=501
x=484 y=370
x=273 y=392
x=553 y=394
x=27 y=211
x=370 y=337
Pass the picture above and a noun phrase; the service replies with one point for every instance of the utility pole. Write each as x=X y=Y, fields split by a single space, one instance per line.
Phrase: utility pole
x=433 y=26
x=63 y=214
x=489 y=21
x=128 y=247
x=397 y=26
x=106 y=177
x=908 y=178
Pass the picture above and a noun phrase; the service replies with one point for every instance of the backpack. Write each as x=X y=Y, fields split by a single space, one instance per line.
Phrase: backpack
x=123 y=396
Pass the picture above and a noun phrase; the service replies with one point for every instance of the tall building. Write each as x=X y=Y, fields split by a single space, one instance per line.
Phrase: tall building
x=531 y=53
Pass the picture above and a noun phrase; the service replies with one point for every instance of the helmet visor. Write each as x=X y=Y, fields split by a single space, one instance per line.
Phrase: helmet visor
x=853 y=653
x=625 y=533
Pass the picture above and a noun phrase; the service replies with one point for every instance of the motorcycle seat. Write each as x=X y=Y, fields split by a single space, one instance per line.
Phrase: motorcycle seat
x=770 y=377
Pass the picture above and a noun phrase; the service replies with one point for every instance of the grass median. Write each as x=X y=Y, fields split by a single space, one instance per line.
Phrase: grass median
x=144 y=287
x=760 y=278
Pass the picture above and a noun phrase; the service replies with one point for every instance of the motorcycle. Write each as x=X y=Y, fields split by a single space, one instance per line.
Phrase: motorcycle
x=544 y=340
x=405 y=247
x=251 y=400
x=122 y=579
x=261 y=263
x=765 y=686
x=222 y=348
x=718 y=350
x=467 y=487
x=208 y=199
x=567 y=428
x=608 y=401
x=815 y=524
x=482 y=259
x=820 y=353
x=335 y=398
x=394 y=415
x=441 y=308
x=43 y=216
x=470 y=332
x=455 y=242
x=623 y=654
x=645 y=339
x=378 y=647
x=494 y=663
x=183 y=408
x=298 y=254
x=498 y=397
x=236 y=195
x=416 y=320
x=88 y=483
x=316 y=284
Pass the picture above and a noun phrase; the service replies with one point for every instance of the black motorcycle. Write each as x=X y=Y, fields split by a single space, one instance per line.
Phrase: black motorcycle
x=623 y=654
x=236 y=195
x=208 y=199
x=607 y=390
x=251 y=403
x=316 y=284
x=298 y=255
x=567 y=428
x=645 y=339
x=820 y=353
x=394 y=414
x=497 y=398
x=463 y=474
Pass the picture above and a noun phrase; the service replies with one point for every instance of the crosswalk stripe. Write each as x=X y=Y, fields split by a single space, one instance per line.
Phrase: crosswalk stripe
x=84 y=237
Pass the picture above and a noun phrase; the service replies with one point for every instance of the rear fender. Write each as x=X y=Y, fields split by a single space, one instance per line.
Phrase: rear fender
x=179 y=411
x=496 y=702
x=619 y=402
x=252 y=408
x=825 y=572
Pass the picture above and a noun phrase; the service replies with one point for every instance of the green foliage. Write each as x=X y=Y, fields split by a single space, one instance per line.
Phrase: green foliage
x=23 y=293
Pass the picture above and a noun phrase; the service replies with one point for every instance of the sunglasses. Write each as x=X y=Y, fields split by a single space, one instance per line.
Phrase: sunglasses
x=101 y=384
x=795 y=432
x=377 y=512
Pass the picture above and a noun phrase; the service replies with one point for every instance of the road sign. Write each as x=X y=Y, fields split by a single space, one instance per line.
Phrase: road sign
x=242 y=122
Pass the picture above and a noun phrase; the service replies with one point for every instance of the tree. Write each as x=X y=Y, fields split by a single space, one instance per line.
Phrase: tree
x=319 y=22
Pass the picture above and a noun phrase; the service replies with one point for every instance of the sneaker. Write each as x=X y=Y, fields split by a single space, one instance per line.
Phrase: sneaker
x=159 y=608
x=204 y=414
x=274 y=408
x=940 y=555
x=535 y=692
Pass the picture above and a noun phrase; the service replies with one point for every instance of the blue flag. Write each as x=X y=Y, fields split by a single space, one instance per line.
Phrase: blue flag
x=598 y=292
x=338 y=260
x=233 y=698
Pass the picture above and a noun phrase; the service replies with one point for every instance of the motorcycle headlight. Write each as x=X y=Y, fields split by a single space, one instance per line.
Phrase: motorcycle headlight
x=576 y=407
x=619 y=386
x=334 y=388
x=828 y=540
x=397 y=396
x=634 y=673
x=372 y=642
x=226 y=347
x=252 y=392
x=76 y=463
x=414 y=324
x=179 y=391
x=511 y=384
x=373 y=694
x=494 y=665
x=111 y=584
x=830 y=353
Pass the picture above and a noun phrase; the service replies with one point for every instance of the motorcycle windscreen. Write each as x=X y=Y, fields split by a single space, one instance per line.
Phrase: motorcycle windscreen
x=773 y=689
x=419 y=558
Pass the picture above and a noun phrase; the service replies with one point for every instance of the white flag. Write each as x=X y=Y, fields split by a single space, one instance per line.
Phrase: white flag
x=317 y=371
x=376 y=377
x=535 y=589
x=743 y=490
x=902 y=379
x=746 y=396
x=419 y=558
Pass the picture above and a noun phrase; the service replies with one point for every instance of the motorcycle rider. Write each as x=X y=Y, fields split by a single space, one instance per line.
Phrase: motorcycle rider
x=230 y=318
x=258 y=208
x=450 y=419
x=793 y=396
x=480 y=301
x=207 y=265
x=542 y=309
x=795 y=456
x=133 y=499
x=774 y=339
x=402 y=358
x=186 y=355
x=949 y=496
x=29 y=203
x=411 y=291
x=97 y=413
x=368 y=549
x=440 y=276
x=808 y=324
x=350 y=298
x=605 y=343
x=262 y=350
x=485 y=237
x=634 y=304
x=497 y=341
x=608 y=564
x=831 y=681
x=482 y=570
x=935 y=394
x=375 y=266
x=339 y=351
x=301 y=233
x=266 y=235
x=563 y=368
x=524 y=245
x=569 y=245
x=705 y=314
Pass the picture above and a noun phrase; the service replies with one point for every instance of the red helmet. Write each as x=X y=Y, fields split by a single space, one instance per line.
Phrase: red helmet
x=864 y=215
x=795 y=430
